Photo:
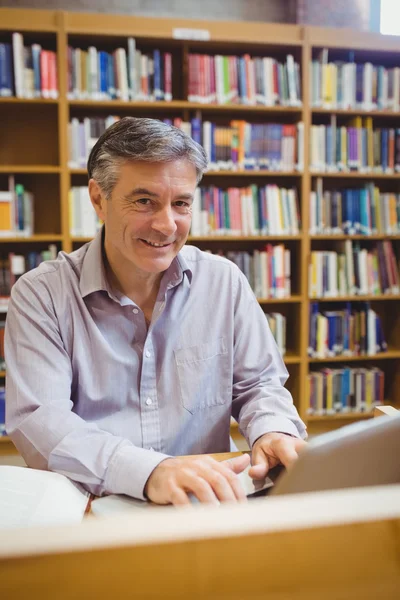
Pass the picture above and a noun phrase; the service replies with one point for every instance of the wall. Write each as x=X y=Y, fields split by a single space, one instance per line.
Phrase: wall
x=282 y=11
x=356 y=14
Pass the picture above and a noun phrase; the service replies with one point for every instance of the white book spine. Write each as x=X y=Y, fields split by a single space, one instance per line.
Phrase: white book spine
x=18 y=59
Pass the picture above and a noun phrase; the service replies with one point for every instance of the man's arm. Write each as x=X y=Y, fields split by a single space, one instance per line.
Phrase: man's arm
x=39 y=417
x=260 y=402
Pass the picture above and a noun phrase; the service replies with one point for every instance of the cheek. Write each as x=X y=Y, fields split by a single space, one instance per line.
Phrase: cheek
x=184 y=222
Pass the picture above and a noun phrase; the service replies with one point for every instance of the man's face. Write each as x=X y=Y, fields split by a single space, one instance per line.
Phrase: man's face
x=150 y=204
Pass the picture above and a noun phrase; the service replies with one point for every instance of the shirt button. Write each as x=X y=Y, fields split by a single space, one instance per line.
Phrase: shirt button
x=149 y=401
x=148 y=353
x=135 y=311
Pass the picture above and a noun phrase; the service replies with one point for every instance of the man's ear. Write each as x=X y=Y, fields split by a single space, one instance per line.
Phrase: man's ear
x=97 y=198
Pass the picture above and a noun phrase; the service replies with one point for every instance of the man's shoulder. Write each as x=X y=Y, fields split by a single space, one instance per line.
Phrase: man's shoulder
x=53 y=272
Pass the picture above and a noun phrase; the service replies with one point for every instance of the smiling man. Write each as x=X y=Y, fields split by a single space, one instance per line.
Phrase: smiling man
x=136 y=349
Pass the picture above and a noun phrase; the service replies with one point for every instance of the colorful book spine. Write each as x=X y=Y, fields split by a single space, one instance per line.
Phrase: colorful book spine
x=354 y=271
x=345 y=390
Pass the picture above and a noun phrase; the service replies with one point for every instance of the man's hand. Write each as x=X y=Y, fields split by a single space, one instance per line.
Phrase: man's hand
x=209 y=480
x=272 y=449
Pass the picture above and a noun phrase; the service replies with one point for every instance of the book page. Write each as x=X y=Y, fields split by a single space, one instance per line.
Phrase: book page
x=31 y=497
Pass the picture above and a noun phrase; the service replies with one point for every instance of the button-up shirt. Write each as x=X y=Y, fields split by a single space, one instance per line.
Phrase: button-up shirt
x=97 y=395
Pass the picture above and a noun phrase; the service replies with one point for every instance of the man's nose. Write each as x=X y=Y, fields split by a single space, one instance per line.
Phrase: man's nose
x=164 y=222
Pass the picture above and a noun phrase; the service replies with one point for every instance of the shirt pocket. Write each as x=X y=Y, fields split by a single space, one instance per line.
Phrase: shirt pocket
x=204 y=374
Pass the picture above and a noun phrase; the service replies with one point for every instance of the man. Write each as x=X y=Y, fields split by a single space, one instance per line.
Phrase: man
x=135 y=349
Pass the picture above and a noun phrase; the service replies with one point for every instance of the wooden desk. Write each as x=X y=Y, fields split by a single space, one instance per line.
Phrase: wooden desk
x=331 y=545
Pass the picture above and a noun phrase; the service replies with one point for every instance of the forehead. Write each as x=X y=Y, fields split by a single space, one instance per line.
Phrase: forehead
x=177 y=174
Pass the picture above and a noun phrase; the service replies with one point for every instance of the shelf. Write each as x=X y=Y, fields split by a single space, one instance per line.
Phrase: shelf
x=2 y=373
x=356 y=175
x=247 y=173
x=291 y=299
x=356 y=112
x=291 y=359
x=357 y=298
x=339 y=417
x=45 y=237
x=250 y=173
x=183 y=105
x=365 y=357
x=220 y=238
x=29 y=169
x=247 y=238
x=343 y=236
x=14 y=100
x=4 y=439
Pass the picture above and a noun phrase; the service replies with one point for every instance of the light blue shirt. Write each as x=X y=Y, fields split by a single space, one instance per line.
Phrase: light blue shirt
x=94 y=394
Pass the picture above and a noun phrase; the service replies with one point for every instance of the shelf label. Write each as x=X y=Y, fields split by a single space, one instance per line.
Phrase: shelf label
x=180 y=33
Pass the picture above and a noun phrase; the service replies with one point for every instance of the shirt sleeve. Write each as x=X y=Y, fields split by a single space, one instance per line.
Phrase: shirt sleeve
x=261 y=404
x=40 y=417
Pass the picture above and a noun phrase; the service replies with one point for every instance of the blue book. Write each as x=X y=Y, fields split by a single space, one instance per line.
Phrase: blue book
x=6 y=78
x=263 y=211
x=196 y=130
x=221 y=211
x=345 y=388
x=157 y=75
x=213 y=147
x=331 y=332
x=36 y=51
x=242 y=80
x=111 y=90
x=312 y=341
x=103 y=72
x=364 y=229
x=2 y=411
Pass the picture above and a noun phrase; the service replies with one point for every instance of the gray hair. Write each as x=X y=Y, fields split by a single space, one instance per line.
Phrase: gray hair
x=137 y=139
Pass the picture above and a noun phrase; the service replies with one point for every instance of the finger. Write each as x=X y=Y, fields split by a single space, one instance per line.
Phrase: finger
x=190 y=481
x=232 y=479
x=219 y=478
x=260 y=464
x=299 y=445
x=285 y=451
x=178 y=496
x=237 y=464
x=220 y=484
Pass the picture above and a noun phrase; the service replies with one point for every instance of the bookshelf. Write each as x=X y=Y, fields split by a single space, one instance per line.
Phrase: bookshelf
x=44 y=168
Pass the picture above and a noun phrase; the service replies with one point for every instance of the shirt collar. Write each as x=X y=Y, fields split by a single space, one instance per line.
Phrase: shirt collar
x=93 y=275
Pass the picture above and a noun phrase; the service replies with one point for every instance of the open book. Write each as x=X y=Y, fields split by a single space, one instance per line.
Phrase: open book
x=32 y=497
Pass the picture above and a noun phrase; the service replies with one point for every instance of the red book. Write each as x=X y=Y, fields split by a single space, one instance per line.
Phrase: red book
x=53 y=85
x=45 y=74
x=168 y=76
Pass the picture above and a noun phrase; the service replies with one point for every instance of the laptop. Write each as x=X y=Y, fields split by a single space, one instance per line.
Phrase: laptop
x=365 y=453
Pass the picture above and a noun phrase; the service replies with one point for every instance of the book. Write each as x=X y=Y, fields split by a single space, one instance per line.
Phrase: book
x=30 y=497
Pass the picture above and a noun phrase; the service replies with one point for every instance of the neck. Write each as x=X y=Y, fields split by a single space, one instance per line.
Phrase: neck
x=139 y=286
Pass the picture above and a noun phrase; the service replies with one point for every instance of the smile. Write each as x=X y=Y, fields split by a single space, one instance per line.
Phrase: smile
x=155 y=244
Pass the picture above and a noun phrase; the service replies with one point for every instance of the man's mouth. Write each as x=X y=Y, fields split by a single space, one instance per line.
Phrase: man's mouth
x=155 y=244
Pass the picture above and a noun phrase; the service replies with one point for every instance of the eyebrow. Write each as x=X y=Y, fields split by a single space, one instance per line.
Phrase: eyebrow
x=145 y=192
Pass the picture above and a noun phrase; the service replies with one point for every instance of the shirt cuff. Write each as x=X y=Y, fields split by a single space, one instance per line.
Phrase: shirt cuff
x=129 y=470
x=272 y=425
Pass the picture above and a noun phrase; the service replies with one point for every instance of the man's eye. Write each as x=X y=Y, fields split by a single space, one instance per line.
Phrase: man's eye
x=143 y=201
x=181 y=203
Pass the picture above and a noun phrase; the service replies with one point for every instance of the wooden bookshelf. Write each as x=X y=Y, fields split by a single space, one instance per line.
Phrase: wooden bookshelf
x=45 y=166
